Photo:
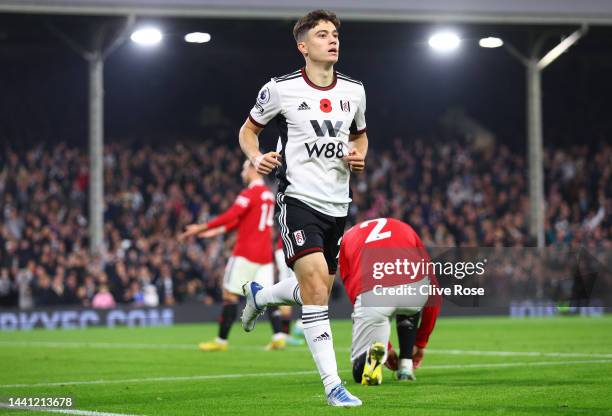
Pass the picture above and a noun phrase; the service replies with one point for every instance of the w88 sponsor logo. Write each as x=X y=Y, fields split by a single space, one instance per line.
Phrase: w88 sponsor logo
x=328 y=150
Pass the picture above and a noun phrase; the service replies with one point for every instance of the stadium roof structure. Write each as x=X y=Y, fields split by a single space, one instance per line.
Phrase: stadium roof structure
x=592 y=12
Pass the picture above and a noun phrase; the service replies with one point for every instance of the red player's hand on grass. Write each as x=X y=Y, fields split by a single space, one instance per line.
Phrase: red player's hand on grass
x=392 y=362
x=417 y=356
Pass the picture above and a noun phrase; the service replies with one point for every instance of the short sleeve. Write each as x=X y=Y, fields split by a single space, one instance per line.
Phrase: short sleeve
x=238 y=208
x=358 y=126
x=267 y=105
x=243 y=199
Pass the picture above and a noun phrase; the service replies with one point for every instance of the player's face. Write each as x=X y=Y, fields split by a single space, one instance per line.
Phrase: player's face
x=322 y=43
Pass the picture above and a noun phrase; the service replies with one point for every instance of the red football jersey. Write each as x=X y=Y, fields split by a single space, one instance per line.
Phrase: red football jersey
x=253 y=214
x=279 y=243
x=384 y=235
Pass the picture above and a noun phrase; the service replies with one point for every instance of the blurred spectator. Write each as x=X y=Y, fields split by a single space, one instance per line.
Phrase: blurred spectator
x=103 y=299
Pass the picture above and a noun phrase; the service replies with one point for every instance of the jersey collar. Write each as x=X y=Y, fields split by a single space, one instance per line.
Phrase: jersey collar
x=256 y=182
x=315 y=86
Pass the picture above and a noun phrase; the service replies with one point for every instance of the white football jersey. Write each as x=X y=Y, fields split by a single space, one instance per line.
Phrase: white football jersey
x=314 y=124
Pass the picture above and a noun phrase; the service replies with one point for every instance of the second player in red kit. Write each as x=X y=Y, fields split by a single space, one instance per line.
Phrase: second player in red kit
x=252 y=216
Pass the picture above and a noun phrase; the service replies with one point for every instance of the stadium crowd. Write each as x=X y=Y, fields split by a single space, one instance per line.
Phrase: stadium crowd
x=450 y=193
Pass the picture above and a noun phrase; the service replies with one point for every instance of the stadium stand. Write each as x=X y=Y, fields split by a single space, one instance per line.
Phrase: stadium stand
x=450 y=193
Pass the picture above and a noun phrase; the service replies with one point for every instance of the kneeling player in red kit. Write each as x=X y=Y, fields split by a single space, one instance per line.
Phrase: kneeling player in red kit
x=362 y=247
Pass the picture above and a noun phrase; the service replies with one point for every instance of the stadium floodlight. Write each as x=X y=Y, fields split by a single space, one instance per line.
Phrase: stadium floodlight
x=491 y=42
x=146 y=36
x=197 y=37
x=444 y=41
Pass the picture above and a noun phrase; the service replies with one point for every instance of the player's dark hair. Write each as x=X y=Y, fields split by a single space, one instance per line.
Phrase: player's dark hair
x=307 y=22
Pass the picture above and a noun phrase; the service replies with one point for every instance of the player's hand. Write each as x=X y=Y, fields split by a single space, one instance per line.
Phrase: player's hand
x=355 y=160
x=191 y=230
x=392 y=362
x=264 y=164
x=417 y=356
x=212 y=232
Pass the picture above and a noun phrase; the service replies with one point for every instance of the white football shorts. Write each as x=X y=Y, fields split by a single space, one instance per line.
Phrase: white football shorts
x=373 y=323
x=240 y=270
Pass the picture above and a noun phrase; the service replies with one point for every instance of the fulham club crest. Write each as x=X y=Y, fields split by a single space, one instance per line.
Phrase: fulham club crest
x=345 y=105
x=299 y=238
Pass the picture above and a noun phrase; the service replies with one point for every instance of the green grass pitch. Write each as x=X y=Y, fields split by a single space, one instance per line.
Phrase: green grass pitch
x=474 y=366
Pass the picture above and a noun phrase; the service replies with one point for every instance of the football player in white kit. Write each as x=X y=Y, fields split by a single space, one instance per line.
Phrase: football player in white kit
x=320 y=114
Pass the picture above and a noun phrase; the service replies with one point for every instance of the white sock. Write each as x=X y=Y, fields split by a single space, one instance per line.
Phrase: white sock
x=406 y=363
x=318 y=334
x=285 y=292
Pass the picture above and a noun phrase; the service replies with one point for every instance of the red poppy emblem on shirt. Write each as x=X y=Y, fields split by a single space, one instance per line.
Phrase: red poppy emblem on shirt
x=326 y=105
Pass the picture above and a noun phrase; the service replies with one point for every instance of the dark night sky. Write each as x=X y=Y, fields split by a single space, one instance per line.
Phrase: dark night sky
x=170 y=91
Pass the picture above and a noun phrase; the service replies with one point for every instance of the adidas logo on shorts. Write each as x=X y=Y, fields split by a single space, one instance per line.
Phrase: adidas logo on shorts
x=303 y=106
x=323 y=337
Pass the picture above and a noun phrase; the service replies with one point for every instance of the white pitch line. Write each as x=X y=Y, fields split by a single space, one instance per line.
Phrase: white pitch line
x=151 y=379
x=193 y=347
x=520 y=353
x=64 y=411
x=296 y=373
x=130 y=345
x=502 y=365
x=112 y=345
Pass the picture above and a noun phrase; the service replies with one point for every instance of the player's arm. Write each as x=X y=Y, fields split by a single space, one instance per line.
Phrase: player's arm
x=214 y=232
x=249 y=143
x=226 y=219
x=428 y=322
x=210 y=233
x=358 y=139
x=265 y=109
x=429 y=315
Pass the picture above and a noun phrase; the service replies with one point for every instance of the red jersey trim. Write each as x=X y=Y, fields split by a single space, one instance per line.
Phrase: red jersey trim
x=363 y=130
x=315 y=86
x=256 y=122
